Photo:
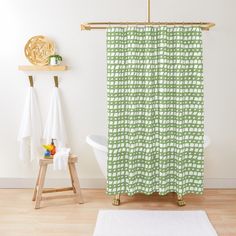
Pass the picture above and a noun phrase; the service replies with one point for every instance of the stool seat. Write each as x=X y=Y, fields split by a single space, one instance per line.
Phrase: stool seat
x=38 y=190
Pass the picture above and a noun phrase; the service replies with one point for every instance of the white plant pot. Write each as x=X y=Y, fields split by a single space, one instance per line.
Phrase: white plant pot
x=53 y=61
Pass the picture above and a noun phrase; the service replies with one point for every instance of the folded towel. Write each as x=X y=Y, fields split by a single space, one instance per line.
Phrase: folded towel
x=30 y=132
x=55 y=127
x=60 y=159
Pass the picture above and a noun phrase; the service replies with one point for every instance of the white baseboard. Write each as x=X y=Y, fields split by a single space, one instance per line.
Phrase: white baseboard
x=99 y=183
x=220 y=183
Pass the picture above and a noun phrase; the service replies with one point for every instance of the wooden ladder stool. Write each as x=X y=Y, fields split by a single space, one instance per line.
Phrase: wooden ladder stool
x=38 y=190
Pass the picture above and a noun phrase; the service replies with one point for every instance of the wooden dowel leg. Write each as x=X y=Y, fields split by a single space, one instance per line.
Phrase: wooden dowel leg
x=71 y=177
x=37 y=183
x=40 y=186
x=78 y=193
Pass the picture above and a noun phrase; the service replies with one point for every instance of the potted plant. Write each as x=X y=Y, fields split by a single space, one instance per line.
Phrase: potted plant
x=55 y=60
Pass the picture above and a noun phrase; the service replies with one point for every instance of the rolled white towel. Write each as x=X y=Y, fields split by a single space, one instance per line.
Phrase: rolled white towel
x=60 y=159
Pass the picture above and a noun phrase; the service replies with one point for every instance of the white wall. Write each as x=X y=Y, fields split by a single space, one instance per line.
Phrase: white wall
x=84 y=85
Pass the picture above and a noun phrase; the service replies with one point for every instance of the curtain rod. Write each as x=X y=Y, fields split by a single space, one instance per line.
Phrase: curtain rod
x=105 y=25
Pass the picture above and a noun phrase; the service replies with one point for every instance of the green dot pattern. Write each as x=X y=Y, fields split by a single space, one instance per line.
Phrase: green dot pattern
x=155 y=110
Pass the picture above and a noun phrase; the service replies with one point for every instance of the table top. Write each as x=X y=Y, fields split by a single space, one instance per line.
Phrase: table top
x=72 y=159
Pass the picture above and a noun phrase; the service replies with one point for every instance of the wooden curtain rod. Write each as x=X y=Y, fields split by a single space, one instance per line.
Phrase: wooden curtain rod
x=105 y=25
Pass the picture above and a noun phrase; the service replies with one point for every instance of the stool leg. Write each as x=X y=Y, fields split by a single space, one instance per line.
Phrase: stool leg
x=71 y=177
x=40 y=186
x=78 y=193
x=37 y=183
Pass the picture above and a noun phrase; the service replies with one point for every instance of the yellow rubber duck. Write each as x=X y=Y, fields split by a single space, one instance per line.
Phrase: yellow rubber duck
x=48 y=147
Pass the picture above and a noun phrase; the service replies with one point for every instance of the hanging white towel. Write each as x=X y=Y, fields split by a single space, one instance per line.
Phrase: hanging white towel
x=60 y=160
x=30 y=132
x=55 y=127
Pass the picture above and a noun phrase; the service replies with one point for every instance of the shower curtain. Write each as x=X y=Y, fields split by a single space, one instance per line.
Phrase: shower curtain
x=155 y=110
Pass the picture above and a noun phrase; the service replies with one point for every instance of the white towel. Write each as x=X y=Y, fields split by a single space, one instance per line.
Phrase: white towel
x=55 y=127
x=60 y=159
x=30 y=132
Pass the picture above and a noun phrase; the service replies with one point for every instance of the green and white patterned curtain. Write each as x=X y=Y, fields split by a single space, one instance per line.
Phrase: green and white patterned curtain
x=155 y=110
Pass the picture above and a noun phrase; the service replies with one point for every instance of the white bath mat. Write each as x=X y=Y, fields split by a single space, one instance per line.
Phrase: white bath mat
x=153 y=223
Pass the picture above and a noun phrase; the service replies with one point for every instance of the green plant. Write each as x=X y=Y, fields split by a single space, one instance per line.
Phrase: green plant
x=58 y=57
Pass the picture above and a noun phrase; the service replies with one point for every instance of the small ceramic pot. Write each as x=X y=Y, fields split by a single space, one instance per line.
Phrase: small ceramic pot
x=53 y=61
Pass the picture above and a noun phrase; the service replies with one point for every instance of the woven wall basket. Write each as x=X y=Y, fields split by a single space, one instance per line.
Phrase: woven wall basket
x=38 y=49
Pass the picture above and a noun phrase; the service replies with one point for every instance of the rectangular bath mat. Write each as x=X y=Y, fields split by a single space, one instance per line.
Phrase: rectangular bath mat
x=153 y=223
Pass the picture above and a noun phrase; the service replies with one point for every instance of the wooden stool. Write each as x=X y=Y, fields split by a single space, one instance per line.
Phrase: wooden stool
x=38 y=190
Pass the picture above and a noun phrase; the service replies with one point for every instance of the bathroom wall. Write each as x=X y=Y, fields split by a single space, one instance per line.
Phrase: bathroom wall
x=83 y=86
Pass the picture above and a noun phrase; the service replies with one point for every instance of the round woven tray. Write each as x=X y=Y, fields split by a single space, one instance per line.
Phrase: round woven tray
x=38 y=49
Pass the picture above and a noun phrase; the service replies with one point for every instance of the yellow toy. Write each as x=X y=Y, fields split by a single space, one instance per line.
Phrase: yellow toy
x=50 y=150
x=48 y=147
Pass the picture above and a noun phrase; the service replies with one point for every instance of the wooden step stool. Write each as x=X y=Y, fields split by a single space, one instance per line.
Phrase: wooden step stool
x=38 y=190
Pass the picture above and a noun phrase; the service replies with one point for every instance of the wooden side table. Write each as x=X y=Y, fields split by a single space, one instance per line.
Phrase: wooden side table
x=38 y=190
